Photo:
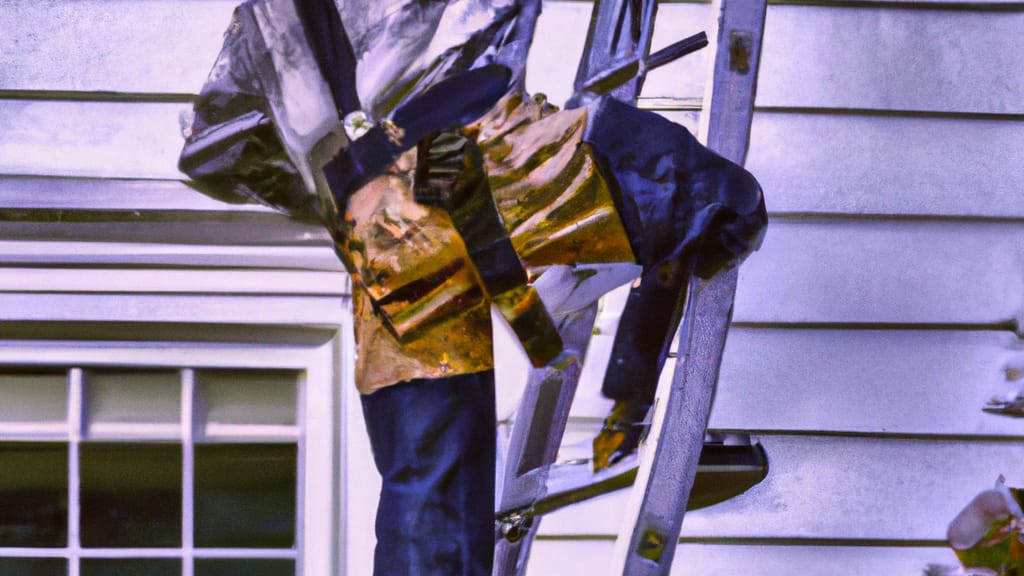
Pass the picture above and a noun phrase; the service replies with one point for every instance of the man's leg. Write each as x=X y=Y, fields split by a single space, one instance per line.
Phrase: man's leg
x=646 y=329
x=686 y=210
x=434 y=445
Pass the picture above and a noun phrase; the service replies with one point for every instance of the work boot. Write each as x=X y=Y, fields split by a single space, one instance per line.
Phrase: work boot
x=620 y=435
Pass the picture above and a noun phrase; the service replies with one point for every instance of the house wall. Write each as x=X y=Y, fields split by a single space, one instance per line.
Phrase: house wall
x=885 y=305
x=107 y=260
x=870 y=329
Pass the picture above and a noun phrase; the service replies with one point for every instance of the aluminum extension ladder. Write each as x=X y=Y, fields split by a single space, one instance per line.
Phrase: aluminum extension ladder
x=673 y=455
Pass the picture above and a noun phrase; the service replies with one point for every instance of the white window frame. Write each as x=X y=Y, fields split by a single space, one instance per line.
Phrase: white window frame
x=306 y=333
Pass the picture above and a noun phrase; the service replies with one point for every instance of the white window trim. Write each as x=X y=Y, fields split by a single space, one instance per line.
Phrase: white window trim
x=322 y=356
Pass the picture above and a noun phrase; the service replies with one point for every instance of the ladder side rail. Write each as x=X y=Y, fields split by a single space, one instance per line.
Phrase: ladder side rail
x=670 y=455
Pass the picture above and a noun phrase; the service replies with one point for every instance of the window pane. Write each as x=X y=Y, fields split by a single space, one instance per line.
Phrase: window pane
x=37 y=400
x=136 y=404
x=33 y=567
x=131 y=495
x=233 y=402
x=218 y=567
x=245 y=495
x=131 y=567
x=33 y=495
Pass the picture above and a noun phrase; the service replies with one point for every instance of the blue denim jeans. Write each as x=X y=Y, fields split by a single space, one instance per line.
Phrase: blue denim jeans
x=434 y=445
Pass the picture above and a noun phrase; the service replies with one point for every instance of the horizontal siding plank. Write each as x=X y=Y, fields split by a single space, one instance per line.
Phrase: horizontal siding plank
x=192 y=228
x=157 y=46
x=165 y=281
x=829 y=163
x=847 y=381
x=165 y=211
x=112 y=195
x=168 y=46
x=862 y=271
x=149 y=354
x=91 y=139
x=35 y=253
x=205 y=309
x=282 y=333
x=854 y=381
x=834 y=489
x=592 y=557
x=891 y=58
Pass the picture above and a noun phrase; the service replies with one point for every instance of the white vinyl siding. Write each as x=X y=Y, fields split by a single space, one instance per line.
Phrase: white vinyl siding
x=882 y=311
x=877 y=319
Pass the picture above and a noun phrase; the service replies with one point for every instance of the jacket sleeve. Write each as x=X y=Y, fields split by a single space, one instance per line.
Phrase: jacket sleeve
x=240 y=143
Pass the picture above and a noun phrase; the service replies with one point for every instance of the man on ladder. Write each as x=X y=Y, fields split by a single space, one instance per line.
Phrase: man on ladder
x=358 y=116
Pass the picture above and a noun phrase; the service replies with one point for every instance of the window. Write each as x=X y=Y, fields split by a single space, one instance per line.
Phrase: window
x=160 y=469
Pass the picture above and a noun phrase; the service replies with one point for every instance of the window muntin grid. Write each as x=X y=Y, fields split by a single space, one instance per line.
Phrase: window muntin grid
x=153 y=433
